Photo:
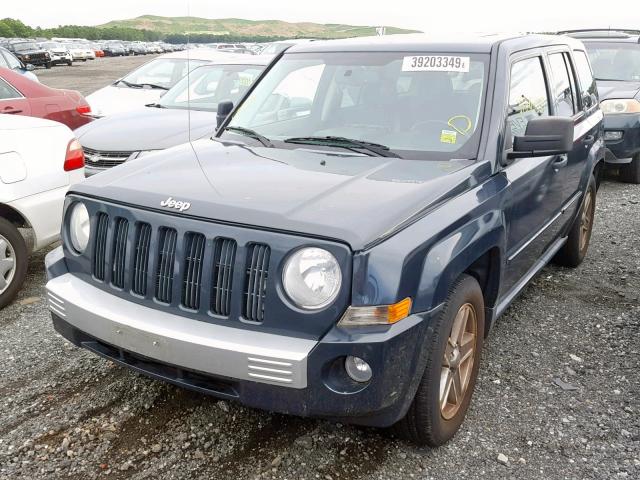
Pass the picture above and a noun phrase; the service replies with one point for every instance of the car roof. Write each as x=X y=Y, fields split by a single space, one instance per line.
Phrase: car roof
x=211 y=54
x=481 y=43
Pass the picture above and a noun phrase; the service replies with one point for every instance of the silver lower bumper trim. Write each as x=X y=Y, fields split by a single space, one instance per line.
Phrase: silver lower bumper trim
x=204 y=347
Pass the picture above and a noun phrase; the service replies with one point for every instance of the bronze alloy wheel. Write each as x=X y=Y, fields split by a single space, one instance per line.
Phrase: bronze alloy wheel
x=7 y=264
x=586 y=220
x=457 y=364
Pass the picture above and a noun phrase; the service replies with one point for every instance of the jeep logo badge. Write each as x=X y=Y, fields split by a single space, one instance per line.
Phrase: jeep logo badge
x=171 y=203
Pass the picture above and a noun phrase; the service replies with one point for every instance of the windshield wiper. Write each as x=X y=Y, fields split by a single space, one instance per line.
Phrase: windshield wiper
x=155 y=105
x=141 y=85
x=348 y=143
x=611 y=80
x=247 y=132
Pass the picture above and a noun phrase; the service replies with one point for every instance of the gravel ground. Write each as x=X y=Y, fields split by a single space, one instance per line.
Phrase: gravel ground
x=558 y=395
x=89 y=76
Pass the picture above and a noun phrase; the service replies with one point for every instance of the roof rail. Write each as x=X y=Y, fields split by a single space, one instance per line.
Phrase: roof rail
x=604 y=32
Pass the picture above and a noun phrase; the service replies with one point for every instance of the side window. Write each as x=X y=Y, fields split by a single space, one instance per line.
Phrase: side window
x=561 y=86
x=12 y=61
x=585 y=76
x=527 y=94
x=7 y=91
x=3 y=62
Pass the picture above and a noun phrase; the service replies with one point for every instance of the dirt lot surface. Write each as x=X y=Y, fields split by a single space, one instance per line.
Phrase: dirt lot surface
x=558 y=394
x=89 y=76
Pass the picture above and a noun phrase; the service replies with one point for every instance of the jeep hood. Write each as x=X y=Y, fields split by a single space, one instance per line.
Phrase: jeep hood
x=350 y=198
x=610 y=89
x=146 y=128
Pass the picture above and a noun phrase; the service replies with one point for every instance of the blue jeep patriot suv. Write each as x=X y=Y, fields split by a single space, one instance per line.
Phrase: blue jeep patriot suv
x=615 y=57
x=343 y=244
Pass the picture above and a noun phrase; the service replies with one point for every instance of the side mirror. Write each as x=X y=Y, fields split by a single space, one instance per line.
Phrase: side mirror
x=30 y=67
x=544 y=136
x=224 y=109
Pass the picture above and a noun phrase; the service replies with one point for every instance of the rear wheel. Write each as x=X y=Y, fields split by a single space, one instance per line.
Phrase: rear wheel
x=575 y=249
x=630 y=172
x=453 y=359
x=13 y=262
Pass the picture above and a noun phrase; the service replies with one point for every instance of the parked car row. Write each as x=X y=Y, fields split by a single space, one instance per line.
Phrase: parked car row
x=340 y=239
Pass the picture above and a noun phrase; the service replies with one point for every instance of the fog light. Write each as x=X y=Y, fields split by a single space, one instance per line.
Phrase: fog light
x=358 y=369
x=612 y=135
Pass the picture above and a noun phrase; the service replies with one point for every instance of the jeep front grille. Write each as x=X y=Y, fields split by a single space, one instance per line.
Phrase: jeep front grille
x=186 y=269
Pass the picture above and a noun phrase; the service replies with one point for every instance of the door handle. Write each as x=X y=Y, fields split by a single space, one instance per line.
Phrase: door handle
x=11 y=110
x=560 y=162
x=589 y=139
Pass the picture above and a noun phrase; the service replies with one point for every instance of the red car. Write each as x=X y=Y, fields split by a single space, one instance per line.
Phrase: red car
x=21 y=96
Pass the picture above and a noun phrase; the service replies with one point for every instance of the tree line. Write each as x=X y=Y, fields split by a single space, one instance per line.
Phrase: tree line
x=10 y=28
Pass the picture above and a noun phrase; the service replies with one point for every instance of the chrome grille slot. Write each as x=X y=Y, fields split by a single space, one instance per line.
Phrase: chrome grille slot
x=224 y=257
x=191 y=283
x=119 y=252
x=167 y=239
x=141 y=259
x=257 y=272
x=100 y=245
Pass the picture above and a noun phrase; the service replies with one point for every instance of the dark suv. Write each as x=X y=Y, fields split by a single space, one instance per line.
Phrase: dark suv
x=29 y=52
x=344 y=243
x=615 y=57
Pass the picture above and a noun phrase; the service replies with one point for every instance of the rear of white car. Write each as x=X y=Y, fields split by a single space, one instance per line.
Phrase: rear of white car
x=39 y=161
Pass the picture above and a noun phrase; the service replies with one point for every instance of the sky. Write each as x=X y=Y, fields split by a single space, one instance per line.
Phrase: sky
x=424 y=15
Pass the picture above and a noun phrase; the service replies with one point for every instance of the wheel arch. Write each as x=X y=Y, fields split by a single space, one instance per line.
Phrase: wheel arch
x=14 y=216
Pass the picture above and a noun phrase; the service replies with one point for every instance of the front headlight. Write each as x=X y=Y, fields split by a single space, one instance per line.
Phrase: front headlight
x=312 y=278
x=79 y=227
x=612 y=107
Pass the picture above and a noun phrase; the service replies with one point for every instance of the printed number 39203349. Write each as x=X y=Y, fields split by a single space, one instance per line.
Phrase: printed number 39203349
x=438 y=63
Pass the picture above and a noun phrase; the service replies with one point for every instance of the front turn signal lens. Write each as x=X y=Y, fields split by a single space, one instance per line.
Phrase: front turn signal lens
x=379 y=315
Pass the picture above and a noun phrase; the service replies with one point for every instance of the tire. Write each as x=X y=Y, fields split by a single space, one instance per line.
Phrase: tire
x=428 y=421
x=575 y=249
x=630 y=173
x=70 y=64
x=12 y=246
x=48 y=65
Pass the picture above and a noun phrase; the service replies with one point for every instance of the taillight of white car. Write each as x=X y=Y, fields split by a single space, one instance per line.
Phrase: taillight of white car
x=74 y=158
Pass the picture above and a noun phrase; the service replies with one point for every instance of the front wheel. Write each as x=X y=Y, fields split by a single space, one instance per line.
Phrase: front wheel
x=575 y=249
x=48 y=65
x=453 y=358
x=13 y=262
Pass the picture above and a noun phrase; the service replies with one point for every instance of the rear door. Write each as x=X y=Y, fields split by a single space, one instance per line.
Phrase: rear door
x=566 y=103
x=12 y=102
x=535 y=184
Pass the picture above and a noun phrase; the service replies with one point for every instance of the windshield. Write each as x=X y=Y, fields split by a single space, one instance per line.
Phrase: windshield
x=419 y=106
x=163 y=72
x=23 y=47
x=207 y=86
x=615 y=61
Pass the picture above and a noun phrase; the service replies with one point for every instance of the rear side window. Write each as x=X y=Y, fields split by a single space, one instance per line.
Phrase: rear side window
x=563 y=98
x=527 y=94
x=585 y=76
x=7 y=91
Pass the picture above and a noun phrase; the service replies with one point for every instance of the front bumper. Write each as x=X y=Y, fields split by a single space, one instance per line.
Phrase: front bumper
x=622 y=151
x=272 y=372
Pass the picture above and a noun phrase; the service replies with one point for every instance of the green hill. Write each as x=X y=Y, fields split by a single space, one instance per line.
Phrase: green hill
x=240 y=27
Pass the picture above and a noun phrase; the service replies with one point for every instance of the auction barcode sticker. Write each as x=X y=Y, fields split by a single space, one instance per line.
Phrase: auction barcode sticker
x=435 y=63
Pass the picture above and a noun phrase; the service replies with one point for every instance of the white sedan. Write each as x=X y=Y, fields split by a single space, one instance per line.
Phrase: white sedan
x=39 y=161
x=147 y=83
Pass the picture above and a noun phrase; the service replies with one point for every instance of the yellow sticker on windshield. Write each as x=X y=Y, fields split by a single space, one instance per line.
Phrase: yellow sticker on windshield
x=448 y=136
